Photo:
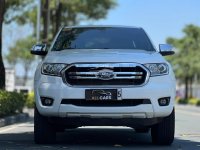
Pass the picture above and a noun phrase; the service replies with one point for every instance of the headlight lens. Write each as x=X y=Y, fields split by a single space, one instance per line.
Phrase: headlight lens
x=157 y=69
x=52 y=69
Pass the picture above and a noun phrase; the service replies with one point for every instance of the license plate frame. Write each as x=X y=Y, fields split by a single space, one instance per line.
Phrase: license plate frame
x=102 y=94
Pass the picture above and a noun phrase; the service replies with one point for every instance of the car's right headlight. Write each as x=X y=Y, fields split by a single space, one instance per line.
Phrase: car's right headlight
x=53 y=69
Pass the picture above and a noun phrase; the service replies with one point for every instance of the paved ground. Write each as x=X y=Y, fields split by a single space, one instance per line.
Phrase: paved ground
x=20 y=136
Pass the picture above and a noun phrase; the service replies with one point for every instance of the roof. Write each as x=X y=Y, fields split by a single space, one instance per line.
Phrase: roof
x=96 y=26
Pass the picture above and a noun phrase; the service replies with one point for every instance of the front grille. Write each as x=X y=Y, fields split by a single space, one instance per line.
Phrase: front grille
x=105 y=74
x=104 y=103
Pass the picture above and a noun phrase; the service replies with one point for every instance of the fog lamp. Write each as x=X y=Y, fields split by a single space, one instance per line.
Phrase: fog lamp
x=164 y=101
x=46 y=101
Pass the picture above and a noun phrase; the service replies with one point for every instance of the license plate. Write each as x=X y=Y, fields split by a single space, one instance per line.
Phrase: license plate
x=101 y=94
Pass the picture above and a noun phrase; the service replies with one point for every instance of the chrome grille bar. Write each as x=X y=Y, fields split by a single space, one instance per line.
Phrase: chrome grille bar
x=95 y=77
x=95 y=73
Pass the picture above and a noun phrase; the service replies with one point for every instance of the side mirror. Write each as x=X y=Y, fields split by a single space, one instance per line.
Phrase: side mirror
x=166 y=49
x=39 y=49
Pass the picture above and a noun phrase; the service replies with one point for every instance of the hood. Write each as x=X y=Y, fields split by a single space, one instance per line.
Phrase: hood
x=105 y=55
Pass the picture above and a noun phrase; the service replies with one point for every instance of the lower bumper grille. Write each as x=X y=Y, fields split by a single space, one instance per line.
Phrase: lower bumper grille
x=117 y=103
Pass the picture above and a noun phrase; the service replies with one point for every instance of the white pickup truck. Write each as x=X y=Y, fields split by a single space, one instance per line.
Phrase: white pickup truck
x=104 y=76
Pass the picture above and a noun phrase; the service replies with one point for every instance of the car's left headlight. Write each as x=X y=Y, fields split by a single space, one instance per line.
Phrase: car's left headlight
x=157 y=69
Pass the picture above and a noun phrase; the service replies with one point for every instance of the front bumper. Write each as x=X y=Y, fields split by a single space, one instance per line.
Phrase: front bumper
x=157 y=87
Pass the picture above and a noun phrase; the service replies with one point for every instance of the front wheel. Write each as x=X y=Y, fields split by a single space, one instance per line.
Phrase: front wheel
x=44 y=132
x=163 y=132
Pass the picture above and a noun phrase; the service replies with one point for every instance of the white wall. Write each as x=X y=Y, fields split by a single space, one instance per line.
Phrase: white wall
x=10 y=79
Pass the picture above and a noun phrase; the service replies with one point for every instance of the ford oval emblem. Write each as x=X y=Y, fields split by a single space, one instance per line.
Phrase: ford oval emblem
x=105 y=74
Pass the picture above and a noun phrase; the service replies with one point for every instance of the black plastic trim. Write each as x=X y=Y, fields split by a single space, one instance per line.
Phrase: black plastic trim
x=106 y=103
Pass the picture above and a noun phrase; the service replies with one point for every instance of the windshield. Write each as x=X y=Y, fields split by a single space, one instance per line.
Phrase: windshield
x=102 y=38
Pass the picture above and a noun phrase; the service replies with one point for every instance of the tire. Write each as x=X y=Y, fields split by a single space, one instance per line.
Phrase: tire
x=163 y=132
x=44 y=133
x=141 y=130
